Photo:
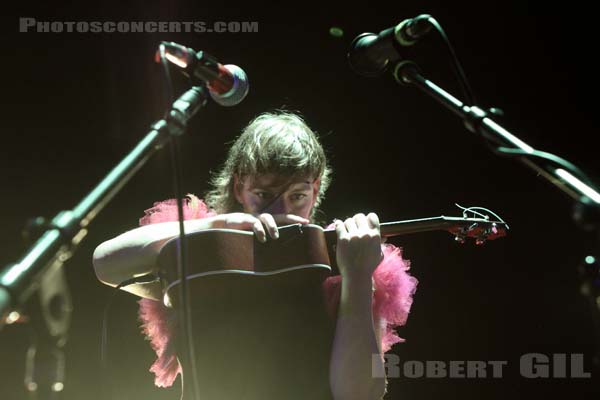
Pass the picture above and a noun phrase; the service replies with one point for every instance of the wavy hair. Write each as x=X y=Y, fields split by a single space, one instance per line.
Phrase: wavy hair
x=277 y=142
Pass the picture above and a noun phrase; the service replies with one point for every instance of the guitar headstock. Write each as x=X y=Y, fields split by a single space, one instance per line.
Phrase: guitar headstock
x=480 y=229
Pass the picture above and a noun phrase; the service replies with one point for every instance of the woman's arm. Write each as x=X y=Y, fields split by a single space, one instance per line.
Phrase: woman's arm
x=134 y=253
x=356 y=369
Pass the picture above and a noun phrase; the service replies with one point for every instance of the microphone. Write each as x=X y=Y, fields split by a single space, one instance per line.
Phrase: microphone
x=227 y=84
x=371 y=53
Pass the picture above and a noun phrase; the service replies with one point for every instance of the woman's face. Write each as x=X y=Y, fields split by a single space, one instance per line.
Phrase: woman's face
x=275 y=194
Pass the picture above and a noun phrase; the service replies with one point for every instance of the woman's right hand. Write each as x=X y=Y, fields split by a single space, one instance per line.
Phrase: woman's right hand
x=260 y=224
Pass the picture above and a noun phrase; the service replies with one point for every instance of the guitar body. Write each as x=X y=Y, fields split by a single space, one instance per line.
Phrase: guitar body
x=259 y=321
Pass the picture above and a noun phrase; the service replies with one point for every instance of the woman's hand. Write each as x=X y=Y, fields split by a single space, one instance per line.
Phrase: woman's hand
x=358 y=246
x=259 y=224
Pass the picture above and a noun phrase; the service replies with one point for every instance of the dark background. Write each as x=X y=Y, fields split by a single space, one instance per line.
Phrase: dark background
x=75 y=104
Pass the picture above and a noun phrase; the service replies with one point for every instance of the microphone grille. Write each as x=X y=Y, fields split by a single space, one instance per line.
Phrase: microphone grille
x=239 y=90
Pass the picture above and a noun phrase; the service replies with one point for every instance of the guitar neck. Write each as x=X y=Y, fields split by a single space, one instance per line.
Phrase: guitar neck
x=478 y=228
x=397 y=228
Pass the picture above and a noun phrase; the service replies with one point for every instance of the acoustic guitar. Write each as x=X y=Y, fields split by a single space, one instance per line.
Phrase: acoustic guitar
x=258 y=316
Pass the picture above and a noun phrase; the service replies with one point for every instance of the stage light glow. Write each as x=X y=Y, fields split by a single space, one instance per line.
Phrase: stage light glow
x=336 y=31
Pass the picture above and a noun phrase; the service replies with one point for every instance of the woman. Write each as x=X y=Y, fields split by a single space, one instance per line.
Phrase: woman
x=276 y=173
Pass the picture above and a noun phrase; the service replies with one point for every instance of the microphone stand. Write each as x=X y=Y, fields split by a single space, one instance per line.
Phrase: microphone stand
x=566 y=177
x=39 y=271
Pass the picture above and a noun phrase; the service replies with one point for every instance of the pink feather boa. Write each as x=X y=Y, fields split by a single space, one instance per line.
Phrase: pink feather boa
x=392 y=299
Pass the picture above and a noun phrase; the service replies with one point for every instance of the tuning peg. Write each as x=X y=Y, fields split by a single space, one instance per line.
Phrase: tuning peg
x=459 y=239
x=479 y=241
x=494 y=229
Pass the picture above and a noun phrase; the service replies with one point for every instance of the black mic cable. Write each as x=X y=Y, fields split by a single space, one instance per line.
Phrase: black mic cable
x=371 y=54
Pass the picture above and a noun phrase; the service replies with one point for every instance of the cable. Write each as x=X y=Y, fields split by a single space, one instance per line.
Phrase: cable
x=458 y=69
x=183 y=313
x=500 y=150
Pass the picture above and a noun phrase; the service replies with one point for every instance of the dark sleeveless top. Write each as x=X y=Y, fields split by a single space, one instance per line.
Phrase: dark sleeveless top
x=262 y=338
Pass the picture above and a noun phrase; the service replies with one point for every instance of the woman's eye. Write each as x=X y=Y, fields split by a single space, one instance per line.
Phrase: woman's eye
x=262 y=195
x=298 y=196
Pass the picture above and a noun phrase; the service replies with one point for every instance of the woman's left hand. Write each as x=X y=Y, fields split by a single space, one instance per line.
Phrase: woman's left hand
x=358 y=246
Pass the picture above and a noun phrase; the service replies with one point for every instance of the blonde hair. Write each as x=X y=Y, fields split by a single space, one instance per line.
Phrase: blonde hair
x=278 y=142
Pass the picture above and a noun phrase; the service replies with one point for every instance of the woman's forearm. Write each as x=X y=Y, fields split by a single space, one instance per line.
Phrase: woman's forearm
x=356 y=369
x=134 y=253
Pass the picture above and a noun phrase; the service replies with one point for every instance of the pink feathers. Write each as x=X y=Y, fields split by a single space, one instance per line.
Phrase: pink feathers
x=392 y=298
